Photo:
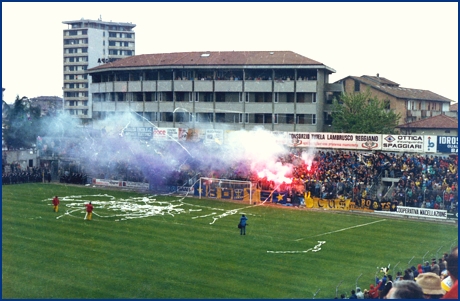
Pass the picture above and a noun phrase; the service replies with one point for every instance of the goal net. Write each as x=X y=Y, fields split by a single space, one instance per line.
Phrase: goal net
x=226 y=189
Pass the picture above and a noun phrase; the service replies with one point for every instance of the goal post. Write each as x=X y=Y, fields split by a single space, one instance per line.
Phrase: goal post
x=226 y=189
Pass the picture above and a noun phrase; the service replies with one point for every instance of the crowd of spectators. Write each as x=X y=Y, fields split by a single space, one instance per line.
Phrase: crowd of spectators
x=422 y=180
x=435 y=280
x=425 y=181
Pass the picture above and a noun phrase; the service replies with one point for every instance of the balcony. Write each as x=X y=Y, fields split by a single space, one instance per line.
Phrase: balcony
x=203 y=85
x=308 y=86
x=183 y=85
x=228 y=86
x=135 y=86
x=333 y=88
x=258 y=86
x=164 y=85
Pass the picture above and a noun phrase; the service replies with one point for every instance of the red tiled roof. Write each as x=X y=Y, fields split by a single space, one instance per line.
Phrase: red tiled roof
x=220 y=58
x=435 y=122
x=454 y=107
x=398 y=92
x=379 y=80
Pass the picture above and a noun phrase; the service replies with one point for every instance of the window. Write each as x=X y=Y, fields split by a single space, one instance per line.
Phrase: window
x=387 y=104
x=111 y=43
x=158 y=96
x=306 y=119
x=138 y=96
x=357 y=86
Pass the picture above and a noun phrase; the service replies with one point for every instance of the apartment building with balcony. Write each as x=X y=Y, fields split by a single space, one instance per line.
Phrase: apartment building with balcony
x=275 y=90
x=87 y=44
x=412 y=104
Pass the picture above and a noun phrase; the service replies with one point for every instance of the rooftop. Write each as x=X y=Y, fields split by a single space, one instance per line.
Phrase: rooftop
x=216 y=58
x=436 y=122
x=391 y=88
x=88 y=21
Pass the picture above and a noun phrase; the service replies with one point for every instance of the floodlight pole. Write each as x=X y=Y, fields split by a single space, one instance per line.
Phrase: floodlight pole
x=314 y=295
x=424 y=256
x=451 y=245
x=337 y=289
x=396 y=265
x=375 y=275
x=357 y=279
x=437 y=252
x=411 y=259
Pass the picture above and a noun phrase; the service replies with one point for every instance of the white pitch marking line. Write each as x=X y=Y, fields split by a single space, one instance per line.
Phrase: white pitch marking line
x=357 y=226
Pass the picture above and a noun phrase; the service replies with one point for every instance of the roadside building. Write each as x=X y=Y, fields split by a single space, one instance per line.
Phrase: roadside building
x=412 y=104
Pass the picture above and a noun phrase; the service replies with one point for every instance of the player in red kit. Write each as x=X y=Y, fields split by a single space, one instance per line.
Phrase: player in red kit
x=89 y=211
x=55 y=203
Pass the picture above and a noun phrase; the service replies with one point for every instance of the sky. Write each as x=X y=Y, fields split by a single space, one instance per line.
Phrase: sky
x=413 y=44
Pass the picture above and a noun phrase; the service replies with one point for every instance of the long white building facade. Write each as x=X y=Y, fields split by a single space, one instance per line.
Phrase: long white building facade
x=87 y=44
x=275 y=90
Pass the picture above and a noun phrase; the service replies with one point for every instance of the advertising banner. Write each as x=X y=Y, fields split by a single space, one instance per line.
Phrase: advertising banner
x=447 y=144
x=111 y=183
x=421 y=212
x=166 y=134
x=430 y=144
x=214 y=137
x=402 y=143
x=138 y=132
x=336 y=140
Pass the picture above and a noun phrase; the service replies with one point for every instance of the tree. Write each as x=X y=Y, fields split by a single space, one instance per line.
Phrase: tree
x=362 y=113
x=22 y=124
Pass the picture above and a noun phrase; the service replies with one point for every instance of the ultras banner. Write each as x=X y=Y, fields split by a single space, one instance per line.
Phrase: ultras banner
x=335 y=140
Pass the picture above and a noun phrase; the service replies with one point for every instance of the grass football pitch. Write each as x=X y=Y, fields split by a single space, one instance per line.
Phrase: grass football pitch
x=151 y=246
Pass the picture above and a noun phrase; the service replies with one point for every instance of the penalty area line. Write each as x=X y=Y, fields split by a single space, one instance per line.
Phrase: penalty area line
x=344 y=229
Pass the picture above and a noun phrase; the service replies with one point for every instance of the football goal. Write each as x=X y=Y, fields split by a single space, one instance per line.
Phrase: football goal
x=226 y=189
